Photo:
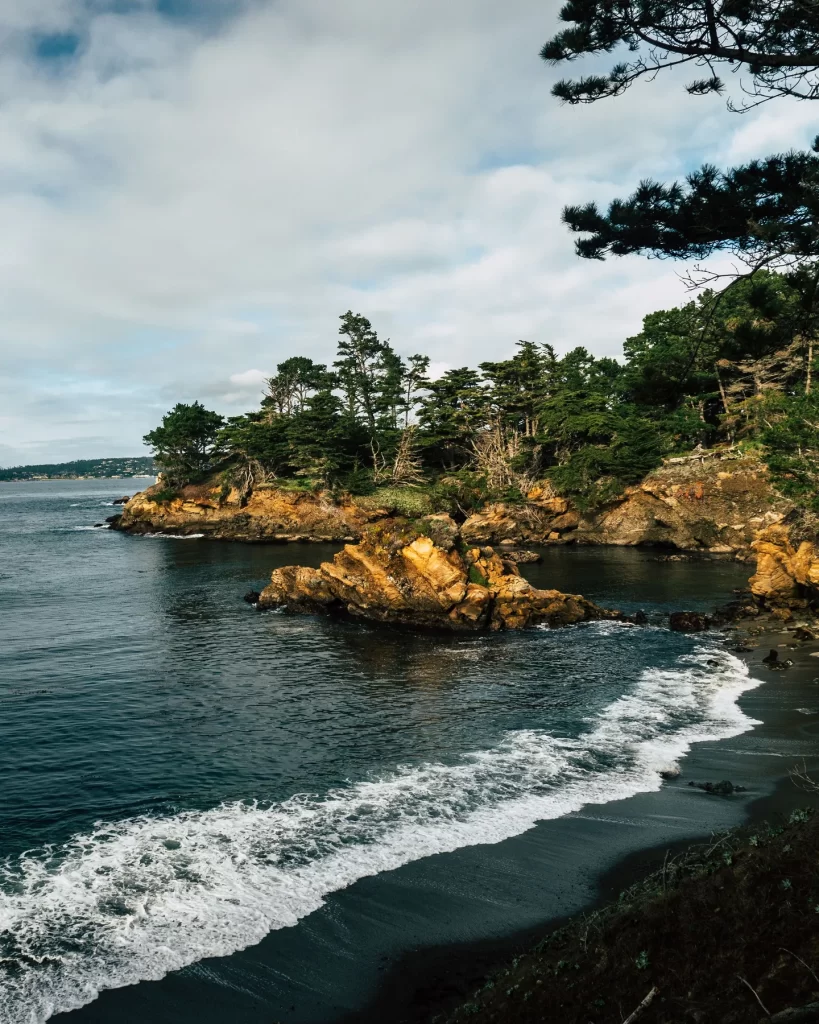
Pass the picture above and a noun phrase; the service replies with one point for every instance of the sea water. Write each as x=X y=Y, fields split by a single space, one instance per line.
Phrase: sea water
x=181 y=775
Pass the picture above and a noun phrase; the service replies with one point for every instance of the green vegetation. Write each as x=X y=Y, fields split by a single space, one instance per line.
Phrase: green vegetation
x=187 y=443
x=97 y=468
x=729 y=368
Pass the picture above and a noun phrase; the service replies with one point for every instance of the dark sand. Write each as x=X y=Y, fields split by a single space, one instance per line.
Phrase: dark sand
x=407 y=944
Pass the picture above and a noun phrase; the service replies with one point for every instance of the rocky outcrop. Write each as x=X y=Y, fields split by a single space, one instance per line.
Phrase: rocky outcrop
x=714 y=506
x=423 y=575
x=787 y=567
x=269 y=514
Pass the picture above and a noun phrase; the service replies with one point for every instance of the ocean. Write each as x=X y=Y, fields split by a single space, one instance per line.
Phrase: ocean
x=183 y=777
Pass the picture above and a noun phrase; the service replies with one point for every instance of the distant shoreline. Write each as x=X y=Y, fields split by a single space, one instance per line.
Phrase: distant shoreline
x=44 y=479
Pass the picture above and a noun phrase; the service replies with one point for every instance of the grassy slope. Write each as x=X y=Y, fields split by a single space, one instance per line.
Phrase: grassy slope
x=743 y=906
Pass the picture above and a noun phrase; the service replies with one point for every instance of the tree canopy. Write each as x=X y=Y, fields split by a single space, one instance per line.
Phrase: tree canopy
x=733 y=366
x=775 y=42
x=185 y=444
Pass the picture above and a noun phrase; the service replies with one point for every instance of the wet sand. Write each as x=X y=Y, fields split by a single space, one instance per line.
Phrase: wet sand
x=405 y=945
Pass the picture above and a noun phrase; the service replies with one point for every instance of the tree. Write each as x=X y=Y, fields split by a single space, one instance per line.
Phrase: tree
x=258 y=446
x=295 y=381
x=453 y=410
x=765 y=212
x=324 y=444
x=791 y=437
x=413 y=383
x=775 y=41
x=185 y=444
x=361 y=367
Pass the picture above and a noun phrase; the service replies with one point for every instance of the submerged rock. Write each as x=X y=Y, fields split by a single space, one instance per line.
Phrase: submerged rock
x=422 y=574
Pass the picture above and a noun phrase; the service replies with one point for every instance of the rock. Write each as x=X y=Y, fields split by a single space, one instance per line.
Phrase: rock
x=252 y=597
x=688 y=622
x=419 y=575
x=724 y=788
x=269 y=513
x=671 y=772
x=121 y=501
x=787 y=565
x=802 y=633
x=772 y=658
x=522 y=556
x=114 y=519
x=639 y=618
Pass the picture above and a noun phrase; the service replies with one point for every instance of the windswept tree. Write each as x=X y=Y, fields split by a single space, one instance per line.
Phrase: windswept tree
x=774 y=42
x=296 y=379
x=186 y=443
x=765 y=213
x=414 y=382
x=361 y=367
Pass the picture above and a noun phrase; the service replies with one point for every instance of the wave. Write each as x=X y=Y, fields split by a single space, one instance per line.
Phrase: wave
x=175 y=536
x=135 y=899
x=102 y=526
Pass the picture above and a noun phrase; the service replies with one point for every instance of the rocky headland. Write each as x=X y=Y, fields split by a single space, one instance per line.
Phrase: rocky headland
x=697 y=505
x=423 y=574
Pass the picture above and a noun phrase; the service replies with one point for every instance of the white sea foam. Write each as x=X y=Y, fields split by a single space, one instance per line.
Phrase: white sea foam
x=135 y=899
x=102 y=526
x=176 y=536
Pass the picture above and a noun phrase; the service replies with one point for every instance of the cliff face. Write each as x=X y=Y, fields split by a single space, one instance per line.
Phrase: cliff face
x=419 y=575
x=711 y=506
x=270 y=514
x=787 y=568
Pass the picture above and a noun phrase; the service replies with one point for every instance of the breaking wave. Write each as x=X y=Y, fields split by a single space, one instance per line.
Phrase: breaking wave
x=135 y=899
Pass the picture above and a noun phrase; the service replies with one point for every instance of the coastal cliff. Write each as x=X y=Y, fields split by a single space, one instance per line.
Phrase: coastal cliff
x=711 y=506
x=714 y=506
x=421 y=574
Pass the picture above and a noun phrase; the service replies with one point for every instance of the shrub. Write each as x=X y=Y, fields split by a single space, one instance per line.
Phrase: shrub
x=411 y=502
x=165 y=495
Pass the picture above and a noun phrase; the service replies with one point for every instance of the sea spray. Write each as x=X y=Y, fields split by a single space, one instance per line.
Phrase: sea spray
x=135 y=899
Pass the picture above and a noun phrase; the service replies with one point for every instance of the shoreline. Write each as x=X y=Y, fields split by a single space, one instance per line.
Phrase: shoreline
x=427 y=984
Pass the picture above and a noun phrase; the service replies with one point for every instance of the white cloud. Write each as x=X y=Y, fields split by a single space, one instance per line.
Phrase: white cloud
x=180 y=204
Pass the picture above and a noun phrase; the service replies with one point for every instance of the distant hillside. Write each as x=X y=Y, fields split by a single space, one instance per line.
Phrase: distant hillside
x=82 y=468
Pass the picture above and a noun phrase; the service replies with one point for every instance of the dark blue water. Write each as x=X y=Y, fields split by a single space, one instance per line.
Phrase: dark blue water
x=181 y=775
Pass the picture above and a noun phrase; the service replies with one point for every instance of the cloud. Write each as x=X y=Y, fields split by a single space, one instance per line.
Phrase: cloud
x=186 y=196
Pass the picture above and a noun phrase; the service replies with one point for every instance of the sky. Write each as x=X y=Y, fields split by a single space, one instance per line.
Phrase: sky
x=194 y=190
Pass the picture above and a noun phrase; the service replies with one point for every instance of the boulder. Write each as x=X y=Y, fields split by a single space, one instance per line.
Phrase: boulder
x=689 y=622
x=521 y=555
x=421 y=574
x=121 y=501
x=787 y=564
